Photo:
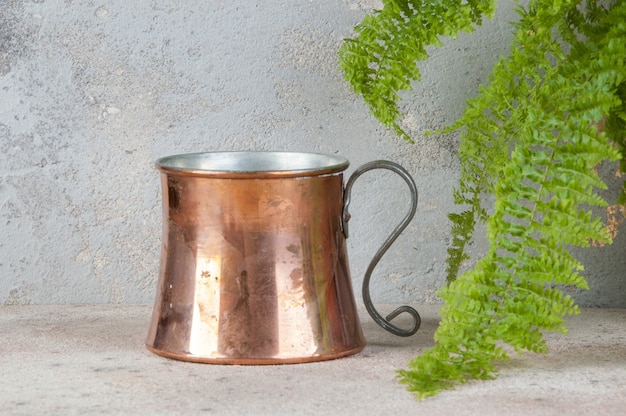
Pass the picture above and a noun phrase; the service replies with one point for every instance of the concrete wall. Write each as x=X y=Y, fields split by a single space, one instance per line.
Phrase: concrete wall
x=92 y=92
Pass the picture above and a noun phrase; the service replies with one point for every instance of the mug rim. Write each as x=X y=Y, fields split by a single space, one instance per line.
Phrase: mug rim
x=252 y=164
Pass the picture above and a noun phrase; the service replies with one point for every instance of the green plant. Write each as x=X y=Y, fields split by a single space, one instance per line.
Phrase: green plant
x=552 y=111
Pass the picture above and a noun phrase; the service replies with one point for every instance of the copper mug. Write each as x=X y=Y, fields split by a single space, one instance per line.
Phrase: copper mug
x=254 y=268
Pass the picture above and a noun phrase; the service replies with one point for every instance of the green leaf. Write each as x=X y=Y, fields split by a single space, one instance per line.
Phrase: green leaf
x=380 y=61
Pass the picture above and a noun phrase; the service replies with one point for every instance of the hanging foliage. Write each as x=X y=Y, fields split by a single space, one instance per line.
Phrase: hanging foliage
x=552 y=111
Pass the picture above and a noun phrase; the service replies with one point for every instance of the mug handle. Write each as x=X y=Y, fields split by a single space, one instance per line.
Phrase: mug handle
x=376 y=316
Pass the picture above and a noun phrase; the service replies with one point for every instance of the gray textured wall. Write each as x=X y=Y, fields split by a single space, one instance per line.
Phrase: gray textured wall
x=92 y=92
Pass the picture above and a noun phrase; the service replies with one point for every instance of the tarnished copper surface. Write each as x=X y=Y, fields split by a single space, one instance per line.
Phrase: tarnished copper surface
x=254 y=267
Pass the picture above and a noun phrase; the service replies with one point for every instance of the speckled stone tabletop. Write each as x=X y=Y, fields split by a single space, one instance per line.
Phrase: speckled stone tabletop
x=64 y=360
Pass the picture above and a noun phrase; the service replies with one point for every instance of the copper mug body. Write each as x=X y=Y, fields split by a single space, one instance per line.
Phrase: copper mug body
x=254 y=267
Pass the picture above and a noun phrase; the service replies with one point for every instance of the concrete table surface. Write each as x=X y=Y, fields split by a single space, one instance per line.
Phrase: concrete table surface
x=64 y=360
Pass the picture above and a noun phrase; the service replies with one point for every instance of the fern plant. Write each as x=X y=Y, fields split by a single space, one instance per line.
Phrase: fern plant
x=552 y=111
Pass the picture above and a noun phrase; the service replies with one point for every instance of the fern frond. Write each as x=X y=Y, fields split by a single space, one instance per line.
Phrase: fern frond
x=553 y=109
x=462 y=229
x=381 y=59
x=531 y=139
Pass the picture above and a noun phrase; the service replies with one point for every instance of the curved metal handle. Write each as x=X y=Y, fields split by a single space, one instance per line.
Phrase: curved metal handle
x=376 y=316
